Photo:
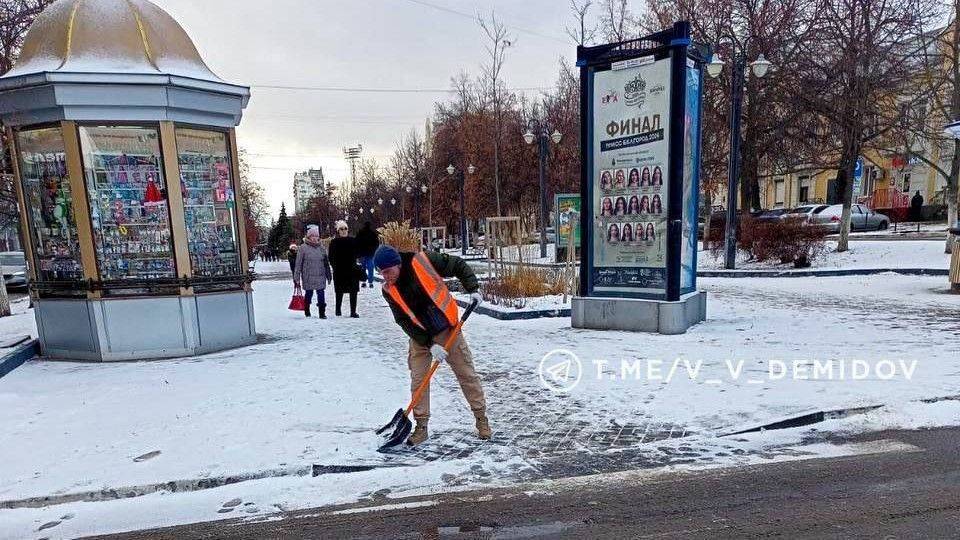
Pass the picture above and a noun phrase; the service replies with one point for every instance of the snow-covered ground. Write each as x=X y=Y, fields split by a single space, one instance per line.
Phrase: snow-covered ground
x=21 y=322
x=906 y=229
x=862 y=254
x=312 y=391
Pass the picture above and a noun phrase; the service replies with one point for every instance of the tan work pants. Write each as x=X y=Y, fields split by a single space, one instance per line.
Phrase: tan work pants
x=460 y=361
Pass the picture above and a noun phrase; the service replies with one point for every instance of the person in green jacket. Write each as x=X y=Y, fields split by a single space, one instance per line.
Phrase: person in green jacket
x=425 y=310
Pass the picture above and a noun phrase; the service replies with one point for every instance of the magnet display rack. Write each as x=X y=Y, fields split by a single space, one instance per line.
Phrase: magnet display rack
x=131 y=221
x=47 y=190
x=208 y=203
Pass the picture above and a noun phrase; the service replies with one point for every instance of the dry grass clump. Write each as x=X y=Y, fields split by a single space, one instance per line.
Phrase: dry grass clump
x=514 y=285
x=400 y=236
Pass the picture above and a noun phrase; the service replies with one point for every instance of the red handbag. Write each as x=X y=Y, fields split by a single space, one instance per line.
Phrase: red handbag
x=297 y=303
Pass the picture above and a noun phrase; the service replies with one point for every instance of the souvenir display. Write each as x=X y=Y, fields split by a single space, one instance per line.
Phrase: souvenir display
x=128 y=205
x=209 y=202
x=46 y=189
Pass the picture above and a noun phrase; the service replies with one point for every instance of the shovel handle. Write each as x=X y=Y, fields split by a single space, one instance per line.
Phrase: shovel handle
x=451 y=339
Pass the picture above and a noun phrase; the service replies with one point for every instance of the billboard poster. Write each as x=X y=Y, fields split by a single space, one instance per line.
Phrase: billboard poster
x=567 y=223
x=691 y=182
x=631 y=124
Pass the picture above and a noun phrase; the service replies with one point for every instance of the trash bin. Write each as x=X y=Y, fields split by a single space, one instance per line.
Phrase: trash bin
x=955 y=260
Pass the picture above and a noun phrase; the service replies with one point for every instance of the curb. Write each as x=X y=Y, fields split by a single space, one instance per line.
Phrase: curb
x=180 y=486
x=840 y=272
x=806 y=419
x=173 y=486
x=17 y=355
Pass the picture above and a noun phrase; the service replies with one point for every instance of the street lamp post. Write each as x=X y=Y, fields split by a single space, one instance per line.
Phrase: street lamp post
x=544 y=138
x=463 y=215
x=759 y=68
x=424 y=189
x=403 y=208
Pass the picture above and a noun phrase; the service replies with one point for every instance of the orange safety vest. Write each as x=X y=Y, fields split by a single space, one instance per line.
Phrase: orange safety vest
x=433 y=284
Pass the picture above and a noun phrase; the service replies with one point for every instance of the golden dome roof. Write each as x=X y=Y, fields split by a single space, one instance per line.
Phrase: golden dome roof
x=109 y=36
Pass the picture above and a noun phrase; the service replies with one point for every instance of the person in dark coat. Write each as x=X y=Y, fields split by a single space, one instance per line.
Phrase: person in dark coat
x=292 y=257
x=346 y=273
x=367 y=244
x=916 y=207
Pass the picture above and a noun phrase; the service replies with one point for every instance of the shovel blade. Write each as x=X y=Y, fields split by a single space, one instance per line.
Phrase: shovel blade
x=393 y=423
x=399 y=434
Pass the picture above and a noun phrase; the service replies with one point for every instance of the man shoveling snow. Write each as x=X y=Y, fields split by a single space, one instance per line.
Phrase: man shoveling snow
x=424 y=308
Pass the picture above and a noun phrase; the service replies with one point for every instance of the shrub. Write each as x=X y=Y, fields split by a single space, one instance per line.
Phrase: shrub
x=786 y=241
x=798 y=243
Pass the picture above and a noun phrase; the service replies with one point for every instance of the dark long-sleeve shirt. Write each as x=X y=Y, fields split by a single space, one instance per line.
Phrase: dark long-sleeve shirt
x=448 y=266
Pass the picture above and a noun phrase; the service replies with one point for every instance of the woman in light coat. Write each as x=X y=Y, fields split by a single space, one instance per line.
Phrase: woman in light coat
x=312 y=271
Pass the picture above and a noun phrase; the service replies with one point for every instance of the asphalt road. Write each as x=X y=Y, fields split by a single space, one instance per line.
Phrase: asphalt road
x=913 y=494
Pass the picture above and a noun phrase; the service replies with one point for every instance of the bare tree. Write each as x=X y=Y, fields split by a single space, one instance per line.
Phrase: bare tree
x=921 y=131
x=16 y=16
x=858 y=80
x=581 y=33
x=499 y=40
x=616 y=20
x=255 y=207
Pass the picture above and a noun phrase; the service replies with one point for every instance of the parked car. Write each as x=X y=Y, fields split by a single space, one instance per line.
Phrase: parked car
x=862 y=218
x=774 y=214
x=807 y=212
x=14 y=266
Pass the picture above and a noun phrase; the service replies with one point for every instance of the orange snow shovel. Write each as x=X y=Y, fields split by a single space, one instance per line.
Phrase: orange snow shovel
x=401 y=424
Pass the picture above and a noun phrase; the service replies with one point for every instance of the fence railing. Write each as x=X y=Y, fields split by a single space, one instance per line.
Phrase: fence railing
x=886 y=198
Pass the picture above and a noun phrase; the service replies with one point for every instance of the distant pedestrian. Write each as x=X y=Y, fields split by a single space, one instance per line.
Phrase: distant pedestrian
x=312 y=271
x=292 y=257
x=916 y=207
x=346 y=273
x=367 y=244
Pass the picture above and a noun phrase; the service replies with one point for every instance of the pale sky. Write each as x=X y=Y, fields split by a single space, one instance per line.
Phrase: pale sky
x=385 y=44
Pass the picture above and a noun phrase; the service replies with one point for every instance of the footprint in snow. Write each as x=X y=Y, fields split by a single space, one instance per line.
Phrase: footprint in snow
x=49 y=525
x=148 y=455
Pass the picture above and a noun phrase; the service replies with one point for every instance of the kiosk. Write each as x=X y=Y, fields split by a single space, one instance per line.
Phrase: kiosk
x=126 y=170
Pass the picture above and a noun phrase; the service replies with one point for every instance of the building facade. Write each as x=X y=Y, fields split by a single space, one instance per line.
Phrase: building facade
x=886 y=181
x=307 y=185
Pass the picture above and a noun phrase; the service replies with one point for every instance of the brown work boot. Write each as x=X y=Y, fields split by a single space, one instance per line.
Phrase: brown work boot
x=483 y=426
x=419 y=433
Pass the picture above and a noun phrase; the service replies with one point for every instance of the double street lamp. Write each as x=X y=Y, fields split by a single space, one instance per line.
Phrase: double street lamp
x=759 y=68
x=423 y=189
x=543 y=137
x=463 y=216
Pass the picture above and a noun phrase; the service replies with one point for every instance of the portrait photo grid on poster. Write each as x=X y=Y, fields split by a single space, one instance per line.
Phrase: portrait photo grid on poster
x=631 y=205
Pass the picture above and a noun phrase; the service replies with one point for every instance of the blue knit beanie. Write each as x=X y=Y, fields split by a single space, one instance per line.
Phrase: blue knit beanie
x=385 y=257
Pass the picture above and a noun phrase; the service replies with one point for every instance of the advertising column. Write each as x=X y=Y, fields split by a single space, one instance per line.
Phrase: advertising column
x=631 y=104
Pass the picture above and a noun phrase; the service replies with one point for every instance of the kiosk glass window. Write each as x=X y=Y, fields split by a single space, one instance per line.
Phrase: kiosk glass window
x=128 y=204
x=46 y=191
x=209 y=202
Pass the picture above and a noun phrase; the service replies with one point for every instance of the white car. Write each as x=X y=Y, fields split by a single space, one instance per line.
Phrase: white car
x=806 y=212
x=14 y=267
x=862 y=218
